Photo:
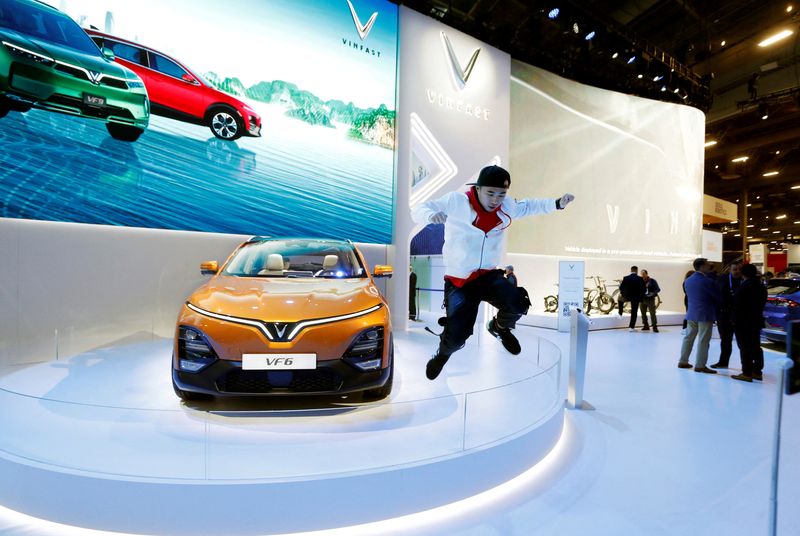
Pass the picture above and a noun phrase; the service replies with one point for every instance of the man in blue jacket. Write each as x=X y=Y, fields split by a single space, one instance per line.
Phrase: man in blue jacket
x=704 y=298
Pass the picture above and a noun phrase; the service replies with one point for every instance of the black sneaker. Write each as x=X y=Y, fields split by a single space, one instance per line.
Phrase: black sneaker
x=435 y=365
x=646 y=328
x=508 y=339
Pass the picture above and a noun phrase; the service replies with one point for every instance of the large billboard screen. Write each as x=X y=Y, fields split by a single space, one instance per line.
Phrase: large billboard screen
x=635 y=166
x=274 y=118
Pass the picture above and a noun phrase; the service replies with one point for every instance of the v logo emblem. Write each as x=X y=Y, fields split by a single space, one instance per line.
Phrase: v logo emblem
x=461 y=75
x=363 y=29
x=94 y=77
x=280 y=329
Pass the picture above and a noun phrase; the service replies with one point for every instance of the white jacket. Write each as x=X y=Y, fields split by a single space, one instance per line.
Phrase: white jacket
x=467 y=248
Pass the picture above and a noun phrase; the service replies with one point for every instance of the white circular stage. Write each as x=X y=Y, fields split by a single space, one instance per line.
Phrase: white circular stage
x=100 y=440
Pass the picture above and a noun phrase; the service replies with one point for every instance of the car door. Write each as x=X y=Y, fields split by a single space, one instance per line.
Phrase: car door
x=174 y=87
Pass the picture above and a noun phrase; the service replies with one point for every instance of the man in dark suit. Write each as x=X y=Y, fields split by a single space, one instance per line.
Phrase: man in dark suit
x=704 y=299
x=728 y=284
x=632 y=290
x=748 y=319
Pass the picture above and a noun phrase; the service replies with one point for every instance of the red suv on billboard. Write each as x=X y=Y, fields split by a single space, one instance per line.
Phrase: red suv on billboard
x=177 y=92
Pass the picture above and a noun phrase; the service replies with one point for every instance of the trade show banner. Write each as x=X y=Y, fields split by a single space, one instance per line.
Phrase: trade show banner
x=570 y=291
x=635 y=166
x=712 y=245
x=454 y=97
x=246 y=116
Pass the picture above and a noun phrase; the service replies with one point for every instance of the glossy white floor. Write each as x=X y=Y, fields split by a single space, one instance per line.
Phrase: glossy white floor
x=668 y=451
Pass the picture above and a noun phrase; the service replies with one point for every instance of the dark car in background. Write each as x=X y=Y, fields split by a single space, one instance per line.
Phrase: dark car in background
x=48 y=62
x=783 y=306
x=179 y=93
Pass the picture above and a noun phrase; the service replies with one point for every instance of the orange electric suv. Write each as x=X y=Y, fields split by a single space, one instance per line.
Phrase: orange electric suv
x=285 y=317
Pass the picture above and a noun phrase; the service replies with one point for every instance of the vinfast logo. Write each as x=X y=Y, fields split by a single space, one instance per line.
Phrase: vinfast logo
x=460 y=74
x=363 y=31
x=94 y=77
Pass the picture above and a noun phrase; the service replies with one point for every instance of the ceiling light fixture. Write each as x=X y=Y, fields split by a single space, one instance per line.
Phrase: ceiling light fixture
x=797 y=187
x=723 y=43
x=710 y=143
x=763 y=110
x=716 y=166
x=640 y=76
x=663 y=88
x=575 y=28
x=657 y=78
x=632 y=59
x=750 y=226
x=775 y=38
x=553 y=13
x=765 y=229
x=590 y=36
x=741 y=159
x=615 y=55
x=770 y=173
x=789 y=8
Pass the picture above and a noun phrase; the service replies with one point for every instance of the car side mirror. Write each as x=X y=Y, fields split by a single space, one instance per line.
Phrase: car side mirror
x=189 y=79
x=108 y=54
x=209 y=268
x=382 y=271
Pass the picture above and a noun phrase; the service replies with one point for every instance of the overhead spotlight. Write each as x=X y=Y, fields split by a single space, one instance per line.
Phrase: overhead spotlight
x=640 y=76
x=657 y=78
x=553 y=13
x=763 y=110
x=632 y=59
x=789 y=8
x=770 y=173
x=722 y=44
x=590 y=36
x=676 y=90
x=615 y=55
x=711 y=143
x=741 y=159
x=663 y=88
x=575 y=28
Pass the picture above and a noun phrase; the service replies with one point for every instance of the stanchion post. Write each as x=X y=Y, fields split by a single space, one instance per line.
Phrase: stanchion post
x=578 y=342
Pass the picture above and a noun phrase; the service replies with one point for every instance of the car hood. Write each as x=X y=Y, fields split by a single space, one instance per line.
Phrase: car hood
x=284 y=299
x=68 y=55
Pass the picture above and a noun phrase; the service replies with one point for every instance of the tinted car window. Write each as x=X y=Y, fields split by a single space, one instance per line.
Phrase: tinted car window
x=125 y=52
x=44 y=23
x=300 y=258
x=783 y=286
x=165 y=66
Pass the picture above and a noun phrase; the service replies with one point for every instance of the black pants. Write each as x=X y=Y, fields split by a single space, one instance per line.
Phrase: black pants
x=412 y=303
x=726 y=332
x=462 y=306
x=634 y=313
x=748 y=339
x=649 y=304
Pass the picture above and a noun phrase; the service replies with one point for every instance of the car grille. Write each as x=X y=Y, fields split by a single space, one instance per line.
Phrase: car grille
x=80 y=73
x=264 y=381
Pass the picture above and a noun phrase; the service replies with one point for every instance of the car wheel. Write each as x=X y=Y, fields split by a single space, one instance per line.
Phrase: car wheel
x=123 y=132
x=225 y=124
x=189 y=395
x=382 y=392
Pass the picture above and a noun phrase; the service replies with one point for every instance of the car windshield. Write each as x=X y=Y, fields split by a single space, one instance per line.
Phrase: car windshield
x=44 y=23
x=783 y=286
x=295 y=258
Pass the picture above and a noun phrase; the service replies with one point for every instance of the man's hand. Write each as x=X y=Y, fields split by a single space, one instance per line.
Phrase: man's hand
x=439 y=217
x=566 y=199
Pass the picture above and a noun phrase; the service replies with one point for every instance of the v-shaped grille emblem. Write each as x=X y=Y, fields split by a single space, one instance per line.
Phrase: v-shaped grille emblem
x=280 y=329
x=94 y=77
x=363 y=29
x=461 y=75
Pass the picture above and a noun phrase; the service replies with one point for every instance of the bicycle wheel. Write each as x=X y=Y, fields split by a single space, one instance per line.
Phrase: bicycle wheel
x=550 y=304
x=605 y=303
x=587 y=305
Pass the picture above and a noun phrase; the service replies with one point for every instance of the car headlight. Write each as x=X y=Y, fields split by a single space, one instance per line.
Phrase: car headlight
x=366 y=352
x=135 y=84
x=29 y=54
x=194 y=352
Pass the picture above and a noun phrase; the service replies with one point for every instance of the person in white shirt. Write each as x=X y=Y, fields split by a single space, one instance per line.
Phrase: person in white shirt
x=474 y=223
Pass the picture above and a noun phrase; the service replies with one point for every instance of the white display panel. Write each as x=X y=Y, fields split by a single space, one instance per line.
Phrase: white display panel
x=712 y=245
x=635 y=166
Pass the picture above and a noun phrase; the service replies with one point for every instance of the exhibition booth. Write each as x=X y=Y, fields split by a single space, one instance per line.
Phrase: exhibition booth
x=369 y=110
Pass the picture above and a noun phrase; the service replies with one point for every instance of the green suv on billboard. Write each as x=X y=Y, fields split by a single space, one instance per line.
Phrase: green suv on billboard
x=47 y=61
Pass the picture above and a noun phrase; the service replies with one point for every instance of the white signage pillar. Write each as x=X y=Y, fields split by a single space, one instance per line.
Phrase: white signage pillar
x=570 y=291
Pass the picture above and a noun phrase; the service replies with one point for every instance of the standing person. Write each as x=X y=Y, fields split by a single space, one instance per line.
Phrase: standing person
x=728 y=283
x=651 y=290
x=685 y=298
x=704 y=298
x=510 y=275
x=474 y=223
x=631 y=288
x=748 y=319
x=412 y=293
